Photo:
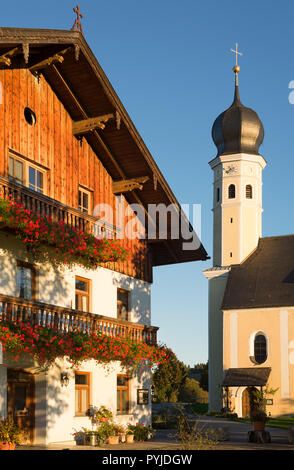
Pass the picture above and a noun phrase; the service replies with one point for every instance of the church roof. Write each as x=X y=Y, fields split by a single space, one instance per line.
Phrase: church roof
x=265 y=278
x=247 y=377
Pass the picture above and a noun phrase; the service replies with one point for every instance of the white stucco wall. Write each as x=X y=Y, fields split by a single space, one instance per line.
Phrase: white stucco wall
x=55 y=419
x=60 y=404
x=57 y=286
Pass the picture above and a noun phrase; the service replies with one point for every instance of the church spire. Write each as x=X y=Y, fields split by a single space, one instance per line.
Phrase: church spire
x=236 y=70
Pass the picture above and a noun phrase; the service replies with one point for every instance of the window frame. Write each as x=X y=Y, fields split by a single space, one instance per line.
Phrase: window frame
x=26 y=164
x=260 y=334
x=80 y=388
x=121 y=388
x=84 y=293
x=33 y=268
x=127 y=292
x=249 y=190
x=89 y=193
x=232 y=190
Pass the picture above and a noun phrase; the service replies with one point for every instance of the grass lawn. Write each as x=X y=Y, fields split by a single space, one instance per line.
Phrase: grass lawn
x=282 y=422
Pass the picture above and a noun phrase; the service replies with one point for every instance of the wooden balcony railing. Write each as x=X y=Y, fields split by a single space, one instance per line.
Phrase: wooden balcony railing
x=14 y=309
x=43 y=205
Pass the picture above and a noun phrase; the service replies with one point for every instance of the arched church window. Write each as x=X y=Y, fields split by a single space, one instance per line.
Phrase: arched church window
x=232 y=191
x=260 y=348
x=248 y=191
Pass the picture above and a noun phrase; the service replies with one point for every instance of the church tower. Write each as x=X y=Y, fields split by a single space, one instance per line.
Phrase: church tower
x=237 y=210
x=237 y=199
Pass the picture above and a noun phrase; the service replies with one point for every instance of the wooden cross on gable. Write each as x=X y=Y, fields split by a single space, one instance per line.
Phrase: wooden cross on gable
x=78 y=25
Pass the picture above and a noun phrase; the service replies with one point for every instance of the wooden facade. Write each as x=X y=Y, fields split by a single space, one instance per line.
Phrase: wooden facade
x=50 y=144
x=82 y=136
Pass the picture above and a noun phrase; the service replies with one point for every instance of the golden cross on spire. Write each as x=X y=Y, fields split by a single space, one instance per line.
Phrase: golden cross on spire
x=237 y=53
x=78 y=25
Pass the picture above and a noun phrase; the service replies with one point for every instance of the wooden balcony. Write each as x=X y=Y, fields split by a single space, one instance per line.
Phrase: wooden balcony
x=45 y=206
x=14 y=309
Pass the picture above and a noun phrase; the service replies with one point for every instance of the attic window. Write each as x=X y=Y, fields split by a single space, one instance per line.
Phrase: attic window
x=30 y=116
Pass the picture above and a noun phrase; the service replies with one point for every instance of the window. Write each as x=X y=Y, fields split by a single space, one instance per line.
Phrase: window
x=122 y=304
x=30 y=116
x=122 y=394
x=82 y=291
x=22 y=172
x=217 y=195
x=142 y=397
x=260 y=348
x=82 y=392
x=16 y=170
x=248 y=191
x=232 y=191
x=84 y=200
x=25 y=281
x=36 y=180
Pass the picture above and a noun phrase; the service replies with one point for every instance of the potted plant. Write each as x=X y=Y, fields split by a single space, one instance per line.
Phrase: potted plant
x=113 y=438
x=103 y=415
x=109 y=432
x=259 y=418
x=10 y=434
x=258 y=414
x=79 y=437
x=130 y=434
x=90 y=438
x=121 y=432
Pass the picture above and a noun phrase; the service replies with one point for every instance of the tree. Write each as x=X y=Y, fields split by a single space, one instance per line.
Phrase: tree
x=191 y=391
x=168 y=380
x=204 y=378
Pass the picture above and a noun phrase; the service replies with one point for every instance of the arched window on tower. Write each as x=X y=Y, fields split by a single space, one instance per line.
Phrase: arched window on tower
x=217 y=195
x=232 y=191
x=260 y=348
x=248 y=191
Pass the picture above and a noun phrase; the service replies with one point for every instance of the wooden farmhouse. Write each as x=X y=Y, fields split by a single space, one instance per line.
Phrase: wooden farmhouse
x=70 y=155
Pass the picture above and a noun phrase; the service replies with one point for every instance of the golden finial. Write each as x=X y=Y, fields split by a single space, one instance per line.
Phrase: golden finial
x=236 y=68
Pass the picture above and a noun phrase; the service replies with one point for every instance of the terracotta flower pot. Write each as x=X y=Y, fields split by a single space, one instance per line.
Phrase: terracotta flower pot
x=259 y=425
x=6 y=446
x=130 y=438
x=113 y=440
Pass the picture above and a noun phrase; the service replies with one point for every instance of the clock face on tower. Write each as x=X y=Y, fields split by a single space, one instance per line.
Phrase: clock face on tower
x=231 y=169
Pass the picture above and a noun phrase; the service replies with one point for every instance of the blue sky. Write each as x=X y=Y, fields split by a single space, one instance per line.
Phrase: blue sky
x=171 y=65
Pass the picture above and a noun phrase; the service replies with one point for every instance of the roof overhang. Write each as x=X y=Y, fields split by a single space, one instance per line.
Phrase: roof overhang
x=247 y=377
x=85 y=91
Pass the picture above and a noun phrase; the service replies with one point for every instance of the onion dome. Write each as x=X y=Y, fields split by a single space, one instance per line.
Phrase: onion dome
x=238 y=129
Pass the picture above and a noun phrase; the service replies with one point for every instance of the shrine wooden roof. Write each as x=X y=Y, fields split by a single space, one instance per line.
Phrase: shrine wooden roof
x=85 y=91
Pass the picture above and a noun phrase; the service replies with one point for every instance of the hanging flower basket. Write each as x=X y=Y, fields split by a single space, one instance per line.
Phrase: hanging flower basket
x=68 y=245
x=47 y=344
